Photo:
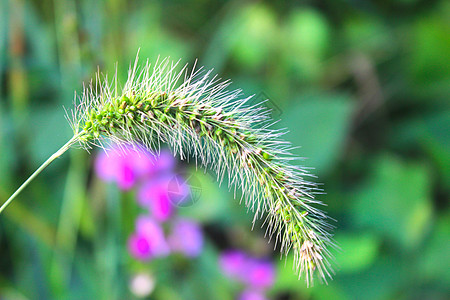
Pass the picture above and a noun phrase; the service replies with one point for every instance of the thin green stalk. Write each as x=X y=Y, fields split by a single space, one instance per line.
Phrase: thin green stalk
x=54 y=156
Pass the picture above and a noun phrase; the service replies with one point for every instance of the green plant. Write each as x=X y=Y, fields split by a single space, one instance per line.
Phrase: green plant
x=200 y=117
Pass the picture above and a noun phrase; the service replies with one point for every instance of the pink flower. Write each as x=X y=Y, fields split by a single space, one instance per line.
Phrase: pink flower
x=148 y=240
x=160 y=195
x=127 y=165
x=254 y=272
x=187 y=238
x=178 y=190
x=232 y=263
x=140 y=247
x=154 y=196
x=260 y=273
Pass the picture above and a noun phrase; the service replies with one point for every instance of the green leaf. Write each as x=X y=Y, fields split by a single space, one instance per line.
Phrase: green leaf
x=434 y=259
x=369 y=35
x=358 y=251
x=395 y=201
x=252 y=40
x=380 y=281
x=305 y=41
x=319 y=124
x=430 y=40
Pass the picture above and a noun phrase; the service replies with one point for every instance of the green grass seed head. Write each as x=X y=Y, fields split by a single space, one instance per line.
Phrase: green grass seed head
x=198 y=116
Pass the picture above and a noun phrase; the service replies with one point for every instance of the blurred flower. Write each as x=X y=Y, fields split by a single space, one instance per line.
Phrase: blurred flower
x=139 y=246
x=148 y=240
x=232 y=263
x=159 y=190
x=154 y=196
x=186 y=237
x=163 y=162
x=252 y=295
x=179 y=190
x=142 y=285
x=160 y=195
x=259 y=273
x=126 y=165
x=251 y=271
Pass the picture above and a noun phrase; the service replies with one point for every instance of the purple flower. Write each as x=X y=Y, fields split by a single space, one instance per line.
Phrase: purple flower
x=178 y=190
x=139 y=246
x=126 y=165
x=251 y=271
x=164 y=162
x=154 y=196
x=148 y=240
x=232 y=263
x=252 y=295
x=112 y=167
x=186 y=237
x=160 y=195
x=260 y=273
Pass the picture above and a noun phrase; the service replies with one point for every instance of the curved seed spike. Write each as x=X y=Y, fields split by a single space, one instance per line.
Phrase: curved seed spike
x=200 y=117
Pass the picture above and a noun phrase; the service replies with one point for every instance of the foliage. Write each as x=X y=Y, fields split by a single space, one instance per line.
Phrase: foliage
x=362 y=86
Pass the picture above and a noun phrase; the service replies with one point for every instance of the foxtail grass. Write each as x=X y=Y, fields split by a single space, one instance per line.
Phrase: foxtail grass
x=198 y=117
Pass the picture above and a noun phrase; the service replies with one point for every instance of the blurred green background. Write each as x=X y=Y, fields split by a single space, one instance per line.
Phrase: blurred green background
x=363 y=87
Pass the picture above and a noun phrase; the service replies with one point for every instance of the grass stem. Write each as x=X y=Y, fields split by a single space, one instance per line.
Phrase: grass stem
x=54 y=156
